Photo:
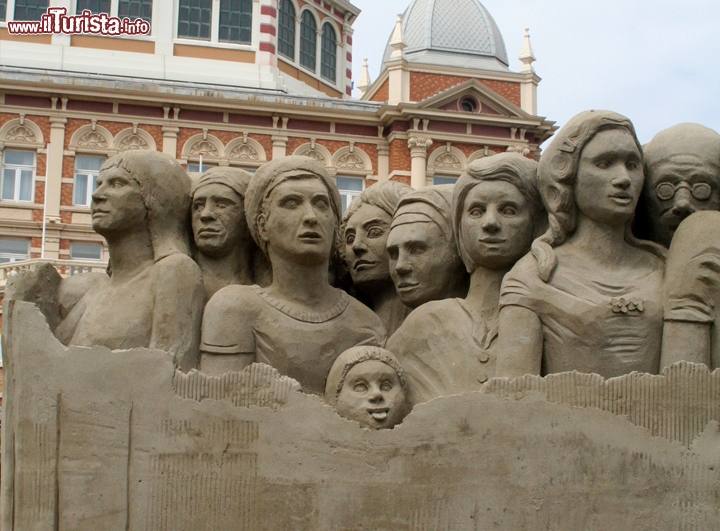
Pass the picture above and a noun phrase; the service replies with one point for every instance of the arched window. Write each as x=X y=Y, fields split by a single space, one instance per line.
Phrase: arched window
x=328 y=58
x=286 y=35
x=308 y=40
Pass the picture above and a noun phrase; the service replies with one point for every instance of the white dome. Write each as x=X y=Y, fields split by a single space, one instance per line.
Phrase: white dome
x=457 y=33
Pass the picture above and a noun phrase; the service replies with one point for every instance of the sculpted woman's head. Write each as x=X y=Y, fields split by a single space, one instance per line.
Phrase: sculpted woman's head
x=293 y=210
x=144 y=190
x=367 y=384
x=424 y=260
x=496 y=211
x=593 y=168
x=218 y=212
x=365 y=229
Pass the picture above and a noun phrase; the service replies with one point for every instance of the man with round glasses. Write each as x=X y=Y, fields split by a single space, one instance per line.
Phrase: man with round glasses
x=682 y=176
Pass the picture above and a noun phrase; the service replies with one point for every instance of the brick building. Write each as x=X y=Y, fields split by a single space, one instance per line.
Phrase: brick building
x=240 y=82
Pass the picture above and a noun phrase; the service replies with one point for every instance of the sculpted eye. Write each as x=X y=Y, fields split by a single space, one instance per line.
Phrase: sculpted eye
x=476 y=212
x=417 y=250
x=116 y=183
x=349 y=238
x=375 y=232
x=509 y=211
x=291 y=203
x=386 y=386
x=360 y=388
x=632 y=165
x=197 y=206
x=602 y=164
x=322 y=204
x=393 y=253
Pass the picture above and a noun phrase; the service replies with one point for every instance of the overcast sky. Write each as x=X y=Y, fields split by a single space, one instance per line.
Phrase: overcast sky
x=655 y=61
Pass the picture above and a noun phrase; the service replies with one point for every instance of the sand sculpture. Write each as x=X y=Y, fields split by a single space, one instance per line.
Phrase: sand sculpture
x=589 y=296
x=682 y=170
x=299 y=324
x=424 y=261
x=226 y=253
x=444 y=346
x=153 y=295
x=109 y=424
x=365 y=229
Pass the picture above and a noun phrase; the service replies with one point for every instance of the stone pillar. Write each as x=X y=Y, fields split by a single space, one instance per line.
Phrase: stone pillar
x=267 y=46
x=383 y=170
x=279 y=146
x=346 y=74
x=418 y=156
x=162 y=27
x=170 y=135
x=53 y=174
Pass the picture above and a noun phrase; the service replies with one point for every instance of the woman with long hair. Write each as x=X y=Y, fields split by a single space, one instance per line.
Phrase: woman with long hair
x=589 y=296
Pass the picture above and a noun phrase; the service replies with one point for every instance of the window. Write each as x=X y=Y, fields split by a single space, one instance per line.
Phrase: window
x=87 y=170
x=194 y=167
x=349 y=188
x=235 y=21
x=286 y=26
x=135 y=9
x=232 y=22
x=30 y=9
x=18 y=175
x=194 y=19
x=3 y=10
x=328 y=57
x=14 y=250
x=94 y=6
x=86 y=251
x=444 y=179
x=308 y=40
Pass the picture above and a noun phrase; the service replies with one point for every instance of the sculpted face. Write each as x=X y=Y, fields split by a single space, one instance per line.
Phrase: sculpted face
x=300 y=223
x=609 y=178
x=117 y=202
x=372 y=395
x=218 y=220
x=366 y=235
x=678 y=187
x=422 y=262
x=496 y=224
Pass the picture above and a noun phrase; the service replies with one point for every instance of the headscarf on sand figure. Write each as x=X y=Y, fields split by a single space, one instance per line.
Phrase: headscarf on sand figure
x=226 y=253
x=424 y=260
x=588 y=298
x=300 y=323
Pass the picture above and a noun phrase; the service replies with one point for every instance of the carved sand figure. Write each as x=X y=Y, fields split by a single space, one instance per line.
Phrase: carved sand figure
x=444 y=346
x=589 y=297
x=692 y=293
x=682 y=172
x=299 y=324
x=367 y=384
x=227 y=254
x=365 y=229
x=424 y=261
x=153 y=296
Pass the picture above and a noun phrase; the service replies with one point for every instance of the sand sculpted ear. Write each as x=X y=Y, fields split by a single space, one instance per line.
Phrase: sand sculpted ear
x=261 y=227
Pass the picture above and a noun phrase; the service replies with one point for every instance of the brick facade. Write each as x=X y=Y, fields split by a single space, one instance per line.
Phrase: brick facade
x=424 y=86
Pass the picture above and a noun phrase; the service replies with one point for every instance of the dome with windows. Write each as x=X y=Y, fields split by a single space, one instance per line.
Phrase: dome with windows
x=455 y=33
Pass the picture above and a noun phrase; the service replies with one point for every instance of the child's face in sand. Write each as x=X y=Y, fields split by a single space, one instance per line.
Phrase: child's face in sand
x=372 y=395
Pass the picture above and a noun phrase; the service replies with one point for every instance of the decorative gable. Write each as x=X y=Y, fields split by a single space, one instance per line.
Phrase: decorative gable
x=473 y=97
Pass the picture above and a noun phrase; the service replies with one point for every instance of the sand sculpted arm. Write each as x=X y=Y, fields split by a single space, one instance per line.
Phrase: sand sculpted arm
x=520 y=342
x=228 y=343
x=179 y=295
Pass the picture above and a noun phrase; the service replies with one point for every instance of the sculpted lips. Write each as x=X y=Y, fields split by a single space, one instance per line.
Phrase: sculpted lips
x=379 y=413
x=311 y=235
x=362 y=265
x=622 y=198
x=492 y=240
x=406 y=285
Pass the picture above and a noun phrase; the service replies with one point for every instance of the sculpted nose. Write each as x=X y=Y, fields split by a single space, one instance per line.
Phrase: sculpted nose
x=359 y=247
x=622 y=180
x=683 y=205
x=207 y=213
x=375 y=396
x=403 y=265
x=309 y=217
x=490 y=222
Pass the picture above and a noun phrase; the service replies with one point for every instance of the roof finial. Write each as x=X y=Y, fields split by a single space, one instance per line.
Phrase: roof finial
x=364 y=83
x=526 y=55
x=397 y=41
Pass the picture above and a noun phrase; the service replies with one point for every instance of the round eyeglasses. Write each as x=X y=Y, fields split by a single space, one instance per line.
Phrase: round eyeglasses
x=700 y=191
